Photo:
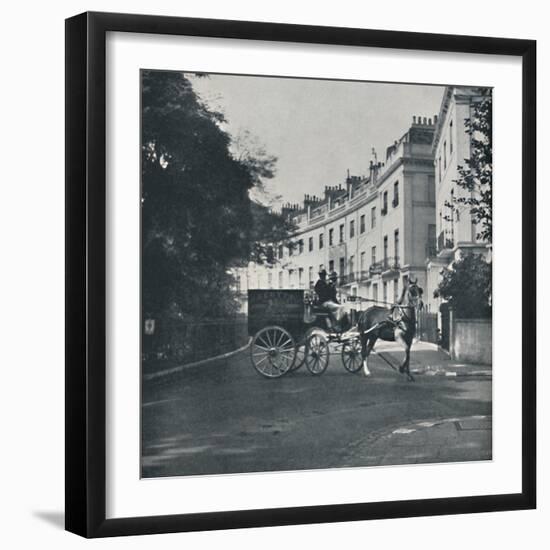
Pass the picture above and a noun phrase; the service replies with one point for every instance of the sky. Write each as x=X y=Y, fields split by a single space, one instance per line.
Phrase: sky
x=318 y=129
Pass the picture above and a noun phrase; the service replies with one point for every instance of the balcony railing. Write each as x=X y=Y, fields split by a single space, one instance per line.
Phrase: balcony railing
x=376 y=268
x=384 y=266
x=431 y=250
x=390 y=263
x=348 y=278
x=364 y=275
x=445 y=241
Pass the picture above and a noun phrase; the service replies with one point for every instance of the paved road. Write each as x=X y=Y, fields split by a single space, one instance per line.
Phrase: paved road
x=225 y=418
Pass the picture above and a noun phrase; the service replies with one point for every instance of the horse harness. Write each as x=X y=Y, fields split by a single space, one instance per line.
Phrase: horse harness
x=395 y=323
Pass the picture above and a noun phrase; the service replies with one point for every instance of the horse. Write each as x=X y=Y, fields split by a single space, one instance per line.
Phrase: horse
x=395 y=324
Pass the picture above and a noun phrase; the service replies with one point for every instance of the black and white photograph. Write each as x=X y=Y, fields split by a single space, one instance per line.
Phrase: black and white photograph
x=316 y=273
x=260 y=292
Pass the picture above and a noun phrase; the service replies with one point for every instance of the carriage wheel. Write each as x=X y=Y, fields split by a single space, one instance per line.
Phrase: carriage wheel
x=301 y=349
x=301 y=352
x=351 y=355
x=273 y=352
x=317 y=353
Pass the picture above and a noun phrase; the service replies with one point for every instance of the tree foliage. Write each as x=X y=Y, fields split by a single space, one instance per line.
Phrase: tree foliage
x=467 y=286
x=476 y=175
x=197 y=215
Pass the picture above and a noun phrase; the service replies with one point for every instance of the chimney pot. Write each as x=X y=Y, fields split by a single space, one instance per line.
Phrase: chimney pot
x=424 y=121
x=414 y=119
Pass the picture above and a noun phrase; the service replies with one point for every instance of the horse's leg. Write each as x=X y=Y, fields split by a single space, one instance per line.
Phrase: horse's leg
x=370 y=344
x=407 y=363
x=364 y=353
x=406 y=343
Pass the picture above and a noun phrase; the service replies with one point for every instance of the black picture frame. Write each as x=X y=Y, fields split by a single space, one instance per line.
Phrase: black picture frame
x=86 y=263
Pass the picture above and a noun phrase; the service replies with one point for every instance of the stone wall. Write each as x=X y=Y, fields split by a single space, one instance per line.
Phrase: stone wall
x=471 y=340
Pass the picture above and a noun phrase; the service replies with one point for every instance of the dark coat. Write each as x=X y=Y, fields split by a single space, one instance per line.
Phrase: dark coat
x=323 y=291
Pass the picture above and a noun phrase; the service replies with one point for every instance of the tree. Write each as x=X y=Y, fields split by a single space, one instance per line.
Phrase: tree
x=467 y=286
x=197 y=215
x=476 y=175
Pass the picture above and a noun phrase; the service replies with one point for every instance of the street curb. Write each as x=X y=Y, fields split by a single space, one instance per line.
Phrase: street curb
x=439 y=370
x=454 y=374
x=196 y=363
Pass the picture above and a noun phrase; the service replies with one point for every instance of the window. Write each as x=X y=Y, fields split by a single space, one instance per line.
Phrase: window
x=351 y=267
x=281 y=251
x=373 y=255
x=330 y=237
x=385 y=291
x=439 y=169
x=238 y=283
x=431 y=189
x=301 y=277
x=280 y=279
x=342 y=233
x=362 y=224
x=385 y=248
x=331 y=266
x=291 y=278
x=395 y=290
x=373 y=217
x=362 y=264
x=395 y=201
x=452 y=216
x=384 y=203
x=444 y=155
x=451 y=137
x=432 y=239
x=396 y=245
x=301 y=246
x=311 y=244
x=270 y=279
x=310 y=271
x=352 y=229
x=375 y=292
x=342 y=267
x=320 y=267
x=321 y=243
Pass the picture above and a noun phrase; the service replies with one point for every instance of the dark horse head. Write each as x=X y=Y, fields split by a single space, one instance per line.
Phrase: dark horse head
x=412 y=295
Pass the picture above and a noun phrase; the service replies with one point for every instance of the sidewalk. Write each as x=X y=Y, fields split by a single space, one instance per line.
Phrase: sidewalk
x=443 y=440
x=428 y=359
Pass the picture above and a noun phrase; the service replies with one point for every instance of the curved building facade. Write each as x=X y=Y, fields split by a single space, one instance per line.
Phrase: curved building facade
x=374 y=231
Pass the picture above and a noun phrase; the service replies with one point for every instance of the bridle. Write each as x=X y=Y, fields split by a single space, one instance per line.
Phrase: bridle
x=413 y=302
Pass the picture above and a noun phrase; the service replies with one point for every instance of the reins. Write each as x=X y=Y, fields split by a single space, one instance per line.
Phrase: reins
x=391 y=304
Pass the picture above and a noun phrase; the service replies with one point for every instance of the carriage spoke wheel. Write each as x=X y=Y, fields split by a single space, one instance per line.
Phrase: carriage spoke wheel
x=273 y=352
x=317 y=353
x=351 y=355
x=301 y=352
x=301 y=348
